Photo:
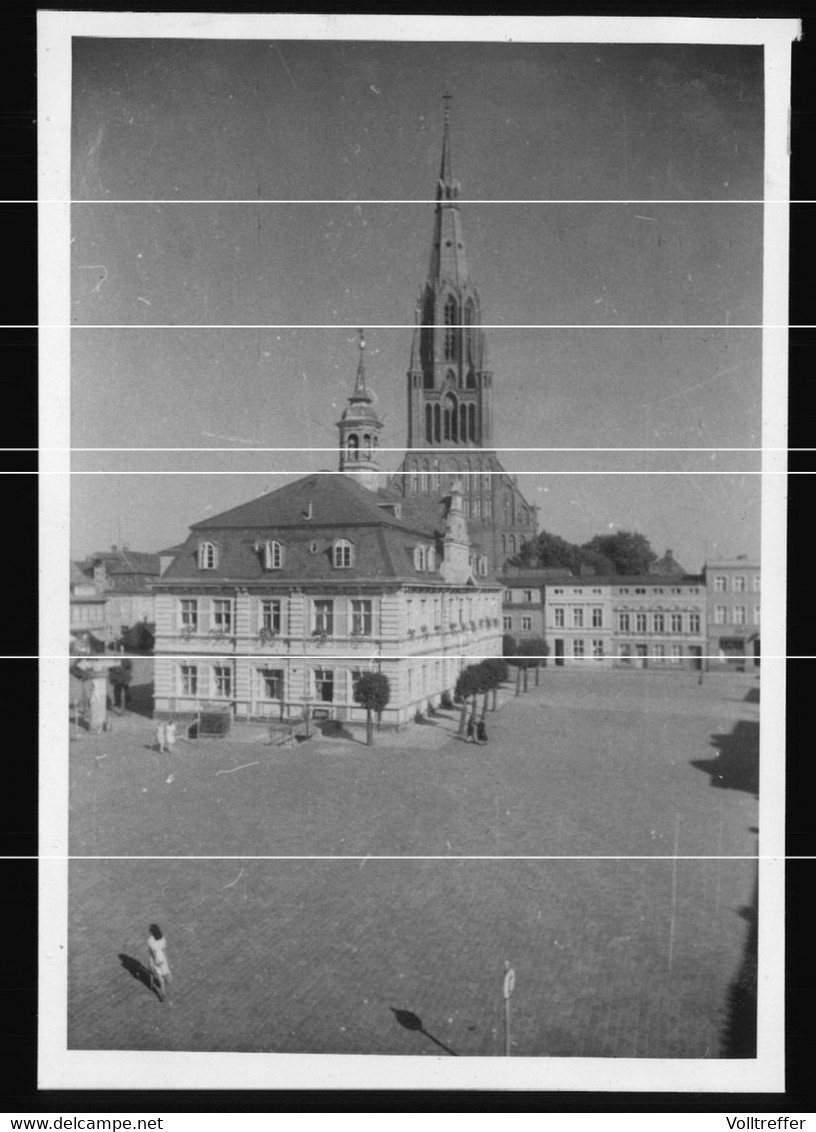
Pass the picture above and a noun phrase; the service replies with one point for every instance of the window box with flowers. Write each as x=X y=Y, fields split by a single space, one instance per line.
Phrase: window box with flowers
x=424 y=630
x=412 y=633
x=219 y=635
x=267 y=636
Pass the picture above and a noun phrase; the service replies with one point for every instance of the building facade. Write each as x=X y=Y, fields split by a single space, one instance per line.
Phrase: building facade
x=523 y=609
x=658 y=622
x=578 y=622
x=87 y=611
x=643 y=621
x=122 y=580
x=451 y=392
x=733 y=598
x=275 y=609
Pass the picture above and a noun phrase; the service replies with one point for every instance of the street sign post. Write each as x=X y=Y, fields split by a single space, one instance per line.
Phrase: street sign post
x=509 y=986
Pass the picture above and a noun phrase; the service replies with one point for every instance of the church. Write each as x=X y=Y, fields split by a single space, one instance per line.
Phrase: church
x=451 y=392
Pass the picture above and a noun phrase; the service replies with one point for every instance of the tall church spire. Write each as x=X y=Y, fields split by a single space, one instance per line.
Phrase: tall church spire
x=448 y=260
x=449 y=387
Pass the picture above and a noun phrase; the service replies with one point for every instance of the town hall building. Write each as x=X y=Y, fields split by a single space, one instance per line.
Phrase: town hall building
x=275 y=609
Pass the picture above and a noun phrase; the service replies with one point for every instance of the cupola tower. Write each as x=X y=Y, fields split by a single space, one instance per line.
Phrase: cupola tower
x=360 y=429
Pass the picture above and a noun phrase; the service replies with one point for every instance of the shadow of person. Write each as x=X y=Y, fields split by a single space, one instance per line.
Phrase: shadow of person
x=139 y=972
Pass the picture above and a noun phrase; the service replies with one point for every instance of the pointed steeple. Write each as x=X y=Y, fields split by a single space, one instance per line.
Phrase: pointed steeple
x=446 y=186
x=448 y=259
x=359 y=429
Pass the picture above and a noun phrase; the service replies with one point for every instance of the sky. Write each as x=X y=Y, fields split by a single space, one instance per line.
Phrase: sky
x=239 y=191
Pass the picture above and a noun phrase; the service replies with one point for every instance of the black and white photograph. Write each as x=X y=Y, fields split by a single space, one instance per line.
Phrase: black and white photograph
x=413 y=492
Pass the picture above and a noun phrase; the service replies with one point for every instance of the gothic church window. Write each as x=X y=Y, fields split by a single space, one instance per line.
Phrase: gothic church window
x=470 y=344
x=450 y=328
x=429 y=424
x=450 y=417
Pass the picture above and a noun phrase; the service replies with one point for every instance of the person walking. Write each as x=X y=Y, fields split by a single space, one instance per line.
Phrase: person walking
x=160 y=975
x=161 y=736
x=170 y=736
x=481 y=732
x=470 y=737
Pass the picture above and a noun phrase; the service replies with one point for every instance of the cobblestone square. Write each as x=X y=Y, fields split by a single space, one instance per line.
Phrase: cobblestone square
x=587 y=764
x=612 y=958
x=649 y=957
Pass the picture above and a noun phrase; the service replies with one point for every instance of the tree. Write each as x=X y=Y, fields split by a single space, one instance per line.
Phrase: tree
x=498 y=671
x=547 y=550
x=508 y=645
x=373 y=692
x=535 y=649
x=468 y=686
x=628 y=551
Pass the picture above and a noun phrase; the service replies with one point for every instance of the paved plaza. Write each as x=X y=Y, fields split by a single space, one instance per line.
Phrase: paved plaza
x=610 y=764
x=613 y=958
x=645 y=958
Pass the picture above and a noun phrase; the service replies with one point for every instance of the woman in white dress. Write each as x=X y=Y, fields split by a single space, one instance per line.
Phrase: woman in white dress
x=159 y=967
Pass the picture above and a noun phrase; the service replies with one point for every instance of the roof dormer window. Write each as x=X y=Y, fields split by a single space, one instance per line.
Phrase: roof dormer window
x=420 y=557
x=272 y=555
x=342 y=554
x=207 y=556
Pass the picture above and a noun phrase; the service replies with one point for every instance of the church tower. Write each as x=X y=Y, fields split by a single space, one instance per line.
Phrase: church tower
x=450 y=391
x=449 y=385
x=359 y=429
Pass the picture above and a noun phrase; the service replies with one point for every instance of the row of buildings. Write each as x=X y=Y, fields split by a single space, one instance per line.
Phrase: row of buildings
x=659 y=619
x=111 y=595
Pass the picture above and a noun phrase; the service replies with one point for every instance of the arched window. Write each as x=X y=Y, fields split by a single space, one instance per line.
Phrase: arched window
x=463 y=429
x=342 y=554
x=472 y=437
x=470 y=382
x=437 y=410
x=429 y=424
x=423 y=477
x=207 y=556
x=449 y=417
x=272 y=555
x=450 y=328
x=352 y=444
x=367 y=445
x=435 y=476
